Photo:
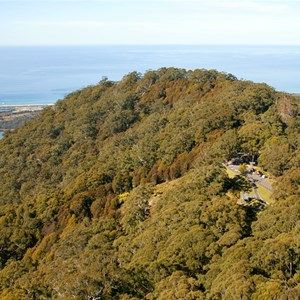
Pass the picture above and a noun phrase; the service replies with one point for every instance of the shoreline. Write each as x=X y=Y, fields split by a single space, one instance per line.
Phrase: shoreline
x=12 y=116
x=23 y=107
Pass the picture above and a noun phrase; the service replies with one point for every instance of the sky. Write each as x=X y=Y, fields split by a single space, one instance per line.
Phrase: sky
x=109 y=22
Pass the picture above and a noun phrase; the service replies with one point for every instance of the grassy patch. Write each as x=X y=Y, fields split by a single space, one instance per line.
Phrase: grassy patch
x=265 y=194
x=230 y=173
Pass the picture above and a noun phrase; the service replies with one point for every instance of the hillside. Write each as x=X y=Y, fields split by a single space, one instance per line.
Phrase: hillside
x=119 y=191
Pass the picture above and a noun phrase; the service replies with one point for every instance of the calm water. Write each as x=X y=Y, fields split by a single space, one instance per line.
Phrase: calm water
x=41 y=75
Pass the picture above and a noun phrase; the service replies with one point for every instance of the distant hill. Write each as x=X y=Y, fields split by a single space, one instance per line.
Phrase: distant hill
x=119 y=191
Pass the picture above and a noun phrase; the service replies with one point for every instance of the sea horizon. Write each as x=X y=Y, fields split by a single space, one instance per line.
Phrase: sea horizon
x=41 y=75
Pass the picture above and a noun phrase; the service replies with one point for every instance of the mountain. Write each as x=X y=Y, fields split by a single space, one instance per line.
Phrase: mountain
x=120 y=191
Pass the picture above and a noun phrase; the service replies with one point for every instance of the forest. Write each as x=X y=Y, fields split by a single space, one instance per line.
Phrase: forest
x=119 y=191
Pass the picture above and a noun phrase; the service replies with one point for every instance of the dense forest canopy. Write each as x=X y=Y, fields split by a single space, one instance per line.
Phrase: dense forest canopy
x=119 y=191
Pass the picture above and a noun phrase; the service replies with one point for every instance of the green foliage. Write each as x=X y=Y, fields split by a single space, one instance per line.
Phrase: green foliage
x=243 y=168
x=119 y=192
x=238 y=183
x=276 y=155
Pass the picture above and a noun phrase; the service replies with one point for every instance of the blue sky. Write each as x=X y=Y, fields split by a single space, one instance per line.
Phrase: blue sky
x=83 y=22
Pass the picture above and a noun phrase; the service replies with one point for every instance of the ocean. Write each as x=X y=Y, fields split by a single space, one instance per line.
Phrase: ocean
x=44 y=74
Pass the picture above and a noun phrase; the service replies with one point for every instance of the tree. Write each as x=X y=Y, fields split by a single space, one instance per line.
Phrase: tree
x=275 y=155
x=243 y=169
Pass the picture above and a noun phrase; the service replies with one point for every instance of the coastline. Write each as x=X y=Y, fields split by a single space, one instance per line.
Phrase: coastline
x=12 y=116
x=23 y=107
